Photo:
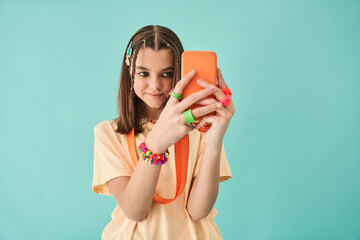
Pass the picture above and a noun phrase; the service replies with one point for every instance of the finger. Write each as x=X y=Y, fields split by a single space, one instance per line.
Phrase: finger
x=207 y=119
x=221 y=81
x=179 y=88
x=221 y=114
x=206 y=101
x=181 y=85
x=195 y=97
x=202 y=122
x=219 y=95
x=221 y=110
x=201 y=111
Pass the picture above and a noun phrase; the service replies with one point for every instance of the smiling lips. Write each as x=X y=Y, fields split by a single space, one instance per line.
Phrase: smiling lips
x=154 y=95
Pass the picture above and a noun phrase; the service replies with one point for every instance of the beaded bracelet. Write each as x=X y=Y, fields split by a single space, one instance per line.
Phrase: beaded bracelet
x=152 y=158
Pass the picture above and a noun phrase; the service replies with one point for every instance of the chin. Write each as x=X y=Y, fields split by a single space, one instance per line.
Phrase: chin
x=156 y=106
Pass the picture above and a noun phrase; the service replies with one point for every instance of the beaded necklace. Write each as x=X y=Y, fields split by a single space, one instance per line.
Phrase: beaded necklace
x=148 y=120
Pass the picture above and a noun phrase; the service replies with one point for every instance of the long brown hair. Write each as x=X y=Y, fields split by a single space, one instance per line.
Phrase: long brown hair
x=130 y=107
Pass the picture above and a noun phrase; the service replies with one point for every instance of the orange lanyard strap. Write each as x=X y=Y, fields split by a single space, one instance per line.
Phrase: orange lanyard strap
x=181 y=164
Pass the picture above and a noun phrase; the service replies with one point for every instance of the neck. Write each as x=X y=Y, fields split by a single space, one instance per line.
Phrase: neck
x=154 y=114
x=153 y=117
x=150 y=120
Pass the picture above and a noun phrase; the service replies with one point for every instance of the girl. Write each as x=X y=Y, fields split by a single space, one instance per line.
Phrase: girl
x=151 y=68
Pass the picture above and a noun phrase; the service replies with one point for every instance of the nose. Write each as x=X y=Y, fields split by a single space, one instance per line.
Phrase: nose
x=155 y=82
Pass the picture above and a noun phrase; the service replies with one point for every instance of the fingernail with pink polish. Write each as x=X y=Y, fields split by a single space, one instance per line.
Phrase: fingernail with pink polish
x=212 y=88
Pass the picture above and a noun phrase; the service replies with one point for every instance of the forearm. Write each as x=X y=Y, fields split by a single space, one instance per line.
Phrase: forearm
x=139 y=192
x=206 y=185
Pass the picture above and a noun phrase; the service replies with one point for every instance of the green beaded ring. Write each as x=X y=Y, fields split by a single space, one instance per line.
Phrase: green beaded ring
x=189 y=118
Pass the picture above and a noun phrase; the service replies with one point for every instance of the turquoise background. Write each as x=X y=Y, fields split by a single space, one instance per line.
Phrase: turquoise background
x=293 y=144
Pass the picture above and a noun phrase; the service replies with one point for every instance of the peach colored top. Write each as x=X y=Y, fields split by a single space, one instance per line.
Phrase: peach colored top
x=163 y=221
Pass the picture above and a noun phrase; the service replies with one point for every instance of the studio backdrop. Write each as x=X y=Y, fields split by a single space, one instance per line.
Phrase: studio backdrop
x=292 y=145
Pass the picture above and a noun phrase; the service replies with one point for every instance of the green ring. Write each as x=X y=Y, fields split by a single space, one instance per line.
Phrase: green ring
x=175 y=95
x=189 y=118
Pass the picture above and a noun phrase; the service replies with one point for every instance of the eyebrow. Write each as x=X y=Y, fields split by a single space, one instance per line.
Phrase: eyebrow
x=144 y=68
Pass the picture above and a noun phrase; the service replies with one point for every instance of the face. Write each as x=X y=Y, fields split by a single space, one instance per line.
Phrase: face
x=153 y=79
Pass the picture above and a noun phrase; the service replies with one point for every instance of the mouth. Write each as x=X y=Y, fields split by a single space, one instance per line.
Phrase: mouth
x=154 y=95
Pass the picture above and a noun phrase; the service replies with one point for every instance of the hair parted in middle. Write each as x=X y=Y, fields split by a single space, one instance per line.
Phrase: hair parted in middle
x=130 y=107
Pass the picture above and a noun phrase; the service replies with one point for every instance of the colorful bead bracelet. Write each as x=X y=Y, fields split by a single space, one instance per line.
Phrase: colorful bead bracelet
x=152 y=158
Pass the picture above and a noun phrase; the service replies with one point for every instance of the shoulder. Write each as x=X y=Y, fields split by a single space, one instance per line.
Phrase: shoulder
x=106 y=127
x=105 y=133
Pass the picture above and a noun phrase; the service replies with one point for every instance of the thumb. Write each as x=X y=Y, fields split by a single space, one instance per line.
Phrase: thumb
x=221 y=81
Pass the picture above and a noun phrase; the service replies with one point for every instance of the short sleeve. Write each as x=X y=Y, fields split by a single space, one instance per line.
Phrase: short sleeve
x=225 y=172
x=110 y=158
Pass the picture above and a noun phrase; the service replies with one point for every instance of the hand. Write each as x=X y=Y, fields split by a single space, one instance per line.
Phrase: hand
x=171 y=125
x=220 y=121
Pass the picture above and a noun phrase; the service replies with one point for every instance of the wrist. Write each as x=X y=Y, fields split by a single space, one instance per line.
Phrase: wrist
x=150 y=157
x=153 y=144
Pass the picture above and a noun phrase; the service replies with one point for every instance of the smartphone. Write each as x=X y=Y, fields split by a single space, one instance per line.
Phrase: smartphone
x=205 y=65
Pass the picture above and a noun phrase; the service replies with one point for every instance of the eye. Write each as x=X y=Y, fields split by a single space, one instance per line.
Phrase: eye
x=167 y=74
x=143 y=74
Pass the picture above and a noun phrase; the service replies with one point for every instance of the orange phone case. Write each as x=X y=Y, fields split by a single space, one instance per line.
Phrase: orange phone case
x=205 y=65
